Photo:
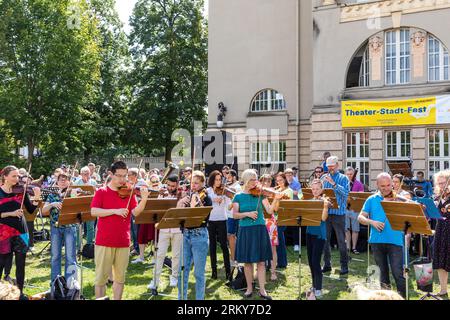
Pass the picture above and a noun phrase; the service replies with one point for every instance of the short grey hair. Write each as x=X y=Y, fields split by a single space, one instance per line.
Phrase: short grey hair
x=350 y=169
x=384 y=175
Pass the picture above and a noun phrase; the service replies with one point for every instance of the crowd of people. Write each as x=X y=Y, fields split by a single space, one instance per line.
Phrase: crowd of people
x=236 y=223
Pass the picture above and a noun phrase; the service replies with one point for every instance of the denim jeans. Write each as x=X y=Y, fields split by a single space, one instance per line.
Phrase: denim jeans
x=337 y=223
x=68 y=236
x=314 y=247
x=195 y=251
x=389 y=254
x=90 y=234
x=134 y=228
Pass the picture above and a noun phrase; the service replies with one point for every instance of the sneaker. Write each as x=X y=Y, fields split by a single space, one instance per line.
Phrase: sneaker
x=138 y=260
x=134 y=253
x=173 y=281
x=318 y=293
x=296 y=248
x=343 y=272
x=354 y=251
x=9 y=280
x=151 y=285
x=326 y=269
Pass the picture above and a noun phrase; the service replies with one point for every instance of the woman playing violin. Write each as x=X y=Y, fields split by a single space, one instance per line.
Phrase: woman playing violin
x=282 y=186
x=253 y=243
x=441 y=252
x=217 y=224
x=316 y=238
x=195 y=240
x=13 y=227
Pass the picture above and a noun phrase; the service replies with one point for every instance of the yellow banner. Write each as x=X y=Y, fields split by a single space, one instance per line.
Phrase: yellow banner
x=358 y=114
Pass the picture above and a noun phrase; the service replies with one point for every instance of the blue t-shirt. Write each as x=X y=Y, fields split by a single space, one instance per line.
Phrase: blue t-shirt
x=248 y=203
x=324 y=166
x=319 y=231
x=373 y=207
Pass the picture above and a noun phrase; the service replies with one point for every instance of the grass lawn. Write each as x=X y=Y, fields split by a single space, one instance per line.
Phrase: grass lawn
x=285 y=288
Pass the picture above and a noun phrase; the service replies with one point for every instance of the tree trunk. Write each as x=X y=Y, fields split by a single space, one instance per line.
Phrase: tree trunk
x=168 y=153
x=30 y=147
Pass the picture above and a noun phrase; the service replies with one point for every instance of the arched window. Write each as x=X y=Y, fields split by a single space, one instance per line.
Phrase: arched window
x=268 y=100
x=437 y=60
x=397 y=59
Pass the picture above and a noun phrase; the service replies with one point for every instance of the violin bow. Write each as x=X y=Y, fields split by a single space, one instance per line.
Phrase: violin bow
x=70 y=179
x=25 y=187
x=134 y=185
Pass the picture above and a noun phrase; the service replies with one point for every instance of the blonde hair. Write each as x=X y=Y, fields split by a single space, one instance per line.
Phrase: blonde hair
x=247 y=175
x=200 y=175
x=9 y=292
x=442 y=174
x=317 y=181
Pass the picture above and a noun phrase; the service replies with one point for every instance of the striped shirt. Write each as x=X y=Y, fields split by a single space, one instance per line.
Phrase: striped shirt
x=341 y=191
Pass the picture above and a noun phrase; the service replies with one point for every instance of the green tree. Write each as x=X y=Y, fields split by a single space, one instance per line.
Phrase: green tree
x=103 y=127
x=169 y=79
x=50 y=69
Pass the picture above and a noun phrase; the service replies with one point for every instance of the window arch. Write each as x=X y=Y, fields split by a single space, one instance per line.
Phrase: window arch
x=268 y=100
x=397 y=57
x=438 y=60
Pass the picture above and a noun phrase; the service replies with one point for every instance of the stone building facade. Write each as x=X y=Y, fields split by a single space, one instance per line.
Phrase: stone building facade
x=289 y=64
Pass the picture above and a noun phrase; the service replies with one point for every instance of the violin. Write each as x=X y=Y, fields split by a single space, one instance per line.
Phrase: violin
x=19 y=188
x=202 y=194
x=225 y=191
x=267 y=192
x=127 y=189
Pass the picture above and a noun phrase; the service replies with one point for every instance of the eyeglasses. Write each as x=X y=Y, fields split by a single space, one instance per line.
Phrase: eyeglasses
x=154 y=182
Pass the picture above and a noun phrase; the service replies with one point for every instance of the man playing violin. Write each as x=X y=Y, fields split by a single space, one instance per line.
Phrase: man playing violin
x=61 y=235
x=113 y=230
x=387 y=244
x=168 y=237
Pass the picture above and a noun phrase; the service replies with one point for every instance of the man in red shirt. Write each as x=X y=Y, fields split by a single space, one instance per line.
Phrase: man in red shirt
x=113 y=230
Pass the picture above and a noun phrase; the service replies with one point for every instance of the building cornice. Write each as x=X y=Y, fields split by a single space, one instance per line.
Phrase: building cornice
x=379 y=9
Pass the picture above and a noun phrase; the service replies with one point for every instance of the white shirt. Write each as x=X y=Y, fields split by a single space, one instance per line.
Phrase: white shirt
x=171 y=230
x=219 y=211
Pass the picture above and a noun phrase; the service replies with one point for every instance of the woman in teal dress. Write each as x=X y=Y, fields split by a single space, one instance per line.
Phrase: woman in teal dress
x=253 y=243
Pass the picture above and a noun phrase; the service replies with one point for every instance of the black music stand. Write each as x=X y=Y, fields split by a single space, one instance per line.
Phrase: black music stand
x=154 y=211
x=300 y=213
x=184 y=218
x=406 y=217
x=76 y=211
